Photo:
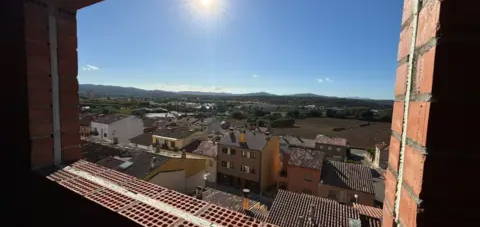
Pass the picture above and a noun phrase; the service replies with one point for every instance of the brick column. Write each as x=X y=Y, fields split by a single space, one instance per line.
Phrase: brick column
x=438 y=153
x=39 y=78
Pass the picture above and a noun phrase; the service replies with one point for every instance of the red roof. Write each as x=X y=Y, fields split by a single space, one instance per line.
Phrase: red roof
x=145 y=203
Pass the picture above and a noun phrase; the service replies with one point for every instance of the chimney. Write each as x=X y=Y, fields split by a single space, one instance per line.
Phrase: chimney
x=242 y=138
x=245 y=202
x=152 y=162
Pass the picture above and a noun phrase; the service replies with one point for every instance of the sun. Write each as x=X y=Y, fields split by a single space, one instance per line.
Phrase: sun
x=206 y=3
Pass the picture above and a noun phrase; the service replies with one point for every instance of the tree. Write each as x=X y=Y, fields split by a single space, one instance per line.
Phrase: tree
x=283 y=123
x=293 y=114
x=238 y=115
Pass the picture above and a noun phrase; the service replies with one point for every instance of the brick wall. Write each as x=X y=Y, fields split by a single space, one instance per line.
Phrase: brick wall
x=39 y=80
x=439 y=147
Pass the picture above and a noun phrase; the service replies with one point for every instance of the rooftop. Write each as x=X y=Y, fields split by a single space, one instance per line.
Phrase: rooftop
x=289 y=207
x=254 y=140
x=331 y=140
x=174 y=132
x=370 y=216
x=144 y=139
x=206 y=148
x=145 y=203
x=109 y=118
x=347 y=175
x=298 y=142
x=306 y=158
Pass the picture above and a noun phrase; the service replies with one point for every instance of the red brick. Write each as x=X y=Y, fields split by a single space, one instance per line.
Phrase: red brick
x=397 y=116
x=408 y=209
x=428 y=22
x=70 y=139
x=404 y=43
x=424 y=74
x=394 y=153
x=71 y=154
x=418 y=122
x=407 y=10
x=36 y=22
x=390 y=186
x=38 y=61
x=400 y=83
x=413 y=169
x=41 y=152
x=40 y=122
x=387 y=218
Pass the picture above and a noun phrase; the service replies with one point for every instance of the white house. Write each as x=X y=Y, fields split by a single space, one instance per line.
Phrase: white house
x=116 y=128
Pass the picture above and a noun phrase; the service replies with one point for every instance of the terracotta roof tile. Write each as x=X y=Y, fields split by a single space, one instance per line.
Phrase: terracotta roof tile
x=347 y=175
x=145 y=203
x=290 y=209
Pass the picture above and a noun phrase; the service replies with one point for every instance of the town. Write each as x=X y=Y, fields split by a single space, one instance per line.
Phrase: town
x=248 y=155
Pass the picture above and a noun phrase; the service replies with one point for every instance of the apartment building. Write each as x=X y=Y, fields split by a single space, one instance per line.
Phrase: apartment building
x=245 y=160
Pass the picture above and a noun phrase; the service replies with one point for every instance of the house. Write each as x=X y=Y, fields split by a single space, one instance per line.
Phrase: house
x=347 y=183
x=234 y=202
x=381 y=155
x=180 y=174
x=207 y=150
x=301 y=170
x=116 y=128
x=369 y=216
x=144 y=141
x=85 y=121
x=175 y=138
x=291 y=209
x=245 y=160
x=334 y=147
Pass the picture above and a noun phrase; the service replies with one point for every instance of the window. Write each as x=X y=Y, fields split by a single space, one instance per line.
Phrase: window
x=252 y=155
x=247 y=169
x=321 y=146
x=224 y=150
x=329 y=148
x=172 y=143
x=232 y=152
x=229 y=165
x=338 y=149
x=244 y=154
x=224 y=164
x=210 y=162
x=104 y=134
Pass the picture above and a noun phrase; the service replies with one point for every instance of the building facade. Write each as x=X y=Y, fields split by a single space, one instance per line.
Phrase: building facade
x=245 y=160
x=116 y=128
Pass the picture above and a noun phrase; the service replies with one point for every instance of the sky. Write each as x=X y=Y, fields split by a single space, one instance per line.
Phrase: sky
x=344 y=48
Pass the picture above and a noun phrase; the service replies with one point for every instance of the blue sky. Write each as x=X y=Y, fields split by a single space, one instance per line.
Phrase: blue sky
x=340 y=48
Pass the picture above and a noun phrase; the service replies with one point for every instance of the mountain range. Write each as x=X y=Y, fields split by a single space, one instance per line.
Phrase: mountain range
x=118 y=91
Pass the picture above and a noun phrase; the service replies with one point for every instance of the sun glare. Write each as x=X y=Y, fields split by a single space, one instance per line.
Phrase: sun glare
x=207 y=8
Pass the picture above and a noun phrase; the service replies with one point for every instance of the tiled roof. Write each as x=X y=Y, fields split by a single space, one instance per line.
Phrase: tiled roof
x=207 y=148
x=306 y=158
x=145 y=203
x=254 y=140
x=174 y=132
x=95 y=152
x=368 y=210
x=347 y=175
x=371 y=216
x=298 y=142
x=109 y=118
x=331 y=140
x=142 y=139
x=292 y=209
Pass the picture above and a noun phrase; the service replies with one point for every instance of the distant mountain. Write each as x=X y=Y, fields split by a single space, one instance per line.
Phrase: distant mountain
x=117 y=91
x=306 y=95
x=258 y=94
